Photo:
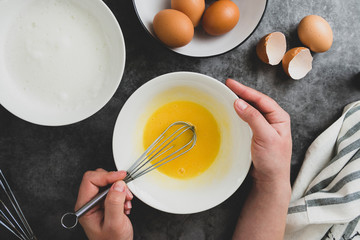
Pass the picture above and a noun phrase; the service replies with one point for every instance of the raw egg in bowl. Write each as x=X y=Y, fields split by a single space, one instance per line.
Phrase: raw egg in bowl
x=60 y=61
x=211 y=171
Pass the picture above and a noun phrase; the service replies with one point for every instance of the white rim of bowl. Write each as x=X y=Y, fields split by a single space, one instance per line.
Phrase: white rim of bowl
x=152 y=82
x=106 y=100
x=188 y=55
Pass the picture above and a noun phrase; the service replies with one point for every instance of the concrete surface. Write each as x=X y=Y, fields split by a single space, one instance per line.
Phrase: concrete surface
x=44 y=165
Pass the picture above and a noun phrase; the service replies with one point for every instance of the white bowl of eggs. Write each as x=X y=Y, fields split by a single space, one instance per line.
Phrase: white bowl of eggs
x=211 y=171
x=60 y=61
x=200 y=28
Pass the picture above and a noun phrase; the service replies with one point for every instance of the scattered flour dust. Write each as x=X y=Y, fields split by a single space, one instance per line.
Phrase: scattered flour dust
x=57 y=53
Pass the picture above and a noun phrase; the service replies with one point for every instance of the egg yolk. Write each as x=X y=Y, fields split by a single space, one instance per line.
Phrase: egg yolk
x=203 y=154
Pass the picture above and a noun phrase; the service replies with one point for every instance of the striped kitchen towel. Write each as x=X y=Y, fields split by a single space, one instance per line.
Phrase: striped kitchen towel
x=325 y=201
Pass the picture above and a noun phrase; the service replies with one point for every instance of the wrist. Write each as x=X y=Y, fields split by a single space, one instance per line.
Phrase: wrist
x=272 y=181
x=279 y=188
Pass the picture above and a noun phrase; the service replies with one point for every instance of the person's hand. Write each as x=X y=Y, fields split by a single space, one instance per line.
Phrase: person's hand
x=271 y=146
x=271 y=143
x=106 y=221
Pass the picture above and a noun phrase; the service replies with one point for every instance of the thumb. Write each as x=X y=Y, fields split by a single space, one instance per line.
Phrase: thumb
x=114 y=204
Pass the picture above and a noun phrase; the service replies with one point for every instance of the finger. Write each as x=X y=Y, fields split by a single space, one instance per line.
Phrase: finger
x=100 y=170
x=129 y=195
x=127 y=206
x=266 y=105
x=258 y=124
x=128 y=198
x=91 y=182
x=103 y=178
x=114 y=204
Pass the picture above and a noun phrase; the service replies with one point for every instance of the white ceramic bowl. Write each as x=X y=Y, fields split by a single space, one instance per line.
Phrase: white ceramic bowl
x=223 y=177
x=204 y=45
x=60 y=61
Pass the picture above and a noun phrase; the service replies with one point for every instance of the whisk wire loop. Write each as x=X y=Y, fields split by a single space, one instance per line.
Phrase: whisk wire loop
x=156 y=153
x=6 y=222
x=164 y=161
x=21 y=229
x=7 y=216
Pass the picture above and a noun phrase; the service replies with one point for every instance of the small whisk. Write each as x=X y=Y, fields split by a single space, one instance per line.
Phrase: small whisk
x=163 y=150
x=14 y=222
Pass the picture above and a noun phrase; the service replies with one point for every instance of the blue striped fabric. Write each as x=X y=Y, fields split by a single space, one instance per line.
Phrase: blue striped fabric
x=326 y=194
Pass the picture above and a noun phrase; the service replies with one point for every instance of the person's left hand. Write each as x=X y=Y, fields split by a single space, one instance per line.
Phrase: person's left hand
x=108 y=220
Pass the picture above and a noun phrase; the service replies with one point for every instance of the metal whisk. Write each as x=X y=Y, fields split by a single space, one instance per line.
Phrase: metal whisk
x=14 y=222
x=163 y=150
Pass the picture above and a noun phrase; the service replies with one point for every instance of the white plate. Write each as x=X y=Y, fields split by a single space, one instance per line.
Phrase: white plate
x=204 y=45
x=60 y=61
x=223 y=177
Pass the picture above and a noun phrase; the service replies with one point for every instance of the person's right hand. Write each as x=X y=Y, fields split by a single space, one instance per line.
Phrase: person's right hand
x=271 y=143
x=107 y=221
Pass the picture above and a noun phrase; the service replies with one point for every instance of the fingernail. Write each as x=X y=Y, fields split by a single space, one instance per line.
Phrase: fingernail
x=119 y=186
x=128 y=204
x=129 y=194
x=240 y=104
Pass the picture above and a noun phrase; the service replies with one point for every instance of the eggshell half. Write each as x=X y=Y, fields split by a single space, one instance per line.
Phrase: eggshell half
x=271 y=48
x=297 y=62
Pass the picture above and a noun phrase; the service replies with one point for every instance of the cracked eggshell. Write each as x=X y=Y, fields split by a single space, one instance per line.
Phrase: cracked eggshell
x=271 y=48
x=297 y=62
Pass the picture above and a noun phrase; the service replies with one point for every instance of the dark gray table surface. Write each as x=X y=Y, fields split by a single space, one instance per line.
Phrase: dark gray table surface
x=44 y=165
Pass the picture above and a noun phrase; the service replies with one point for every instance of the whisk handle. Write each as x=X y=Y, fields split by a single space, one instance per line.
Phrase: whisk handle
x=83 y=209
x=92 y=203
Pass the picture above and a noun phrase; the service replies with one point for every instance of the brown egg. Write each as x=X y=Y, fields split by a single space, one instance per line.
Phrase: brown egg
x=194 y=9
x=173 y=28
x=297 y=62
x=220 y=17
x=315 y=33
